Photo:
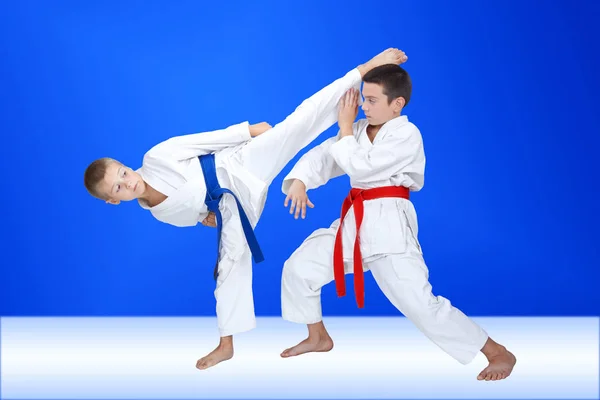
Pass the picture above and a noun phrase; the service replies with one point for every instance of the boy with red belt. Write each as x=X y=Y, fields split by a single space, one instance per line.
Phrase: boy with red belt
x=383 y=156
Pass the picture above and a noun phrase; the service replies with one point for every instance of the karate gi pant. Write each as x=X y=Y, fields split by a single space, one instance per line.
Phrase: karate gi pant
x=403 y=278
x=264 y=157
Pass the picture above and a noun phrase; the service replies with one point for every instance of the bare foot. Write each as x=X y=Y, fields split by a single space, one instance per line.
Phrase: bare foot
x=224 y=351
x=312 y=344
x=501 y=361
x=389 y=56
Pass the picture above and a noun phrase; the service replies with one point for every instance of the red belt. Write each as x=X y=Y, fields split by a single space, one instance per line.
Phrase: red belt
x=356 y=198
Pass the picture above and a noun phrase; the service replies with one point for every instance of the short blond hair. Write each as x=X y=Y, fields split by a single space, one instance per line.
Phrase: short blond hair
x=94 y=174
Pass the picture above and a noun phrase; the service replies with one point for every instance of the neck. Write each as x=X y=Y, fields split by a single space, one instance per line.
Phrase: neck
x=148 y=192
x=373 y=129
x=151 y=196
x=380 y=125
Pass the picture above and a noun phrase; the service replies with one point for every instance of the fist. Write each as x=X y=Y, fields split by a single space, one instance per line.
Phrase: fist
x=210 y=220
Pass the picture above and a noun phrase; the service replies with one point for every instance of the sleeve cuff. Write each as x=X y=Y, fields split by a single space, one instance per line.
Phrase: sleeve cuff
x=244 y=129
x=340 y=146
x=288 y=180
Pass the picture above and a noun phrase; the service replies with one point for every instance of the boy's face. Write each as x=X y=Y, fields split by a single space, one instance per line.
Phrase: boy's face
x=376 y=107
x=121 y=183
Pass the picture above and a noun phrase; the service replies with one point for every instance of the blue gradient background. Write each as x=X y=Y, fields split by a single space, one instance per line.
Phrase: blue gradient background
x=505 y=95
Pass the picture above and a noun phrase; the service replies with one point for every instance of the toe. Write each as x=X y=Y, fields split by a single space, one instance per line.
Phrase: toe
x=203 y=363
x=291 y=351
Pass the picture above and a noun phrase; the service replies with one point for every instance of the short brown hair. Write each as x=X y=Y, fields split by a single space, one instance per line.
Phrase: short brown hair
x=394 y=79
x=94 y=174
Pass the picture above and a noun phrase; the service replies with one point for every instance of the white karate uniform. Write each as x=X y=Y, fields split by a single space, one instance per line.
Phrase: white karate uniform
x=388 y=236
x=246 y=166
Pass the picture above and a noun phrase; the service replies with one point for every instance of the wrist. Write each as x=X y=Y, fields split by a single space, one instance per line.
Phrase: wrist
x=298 y=182
x=346 y=130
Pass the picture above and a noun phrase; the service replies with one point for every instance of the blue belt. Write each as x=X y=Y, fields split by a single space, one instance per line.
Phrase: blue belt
x=214 y=193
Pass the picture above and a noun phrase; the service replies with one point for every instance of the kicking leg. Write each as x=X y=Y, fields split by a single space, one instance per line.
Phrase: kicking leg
x=266 y=155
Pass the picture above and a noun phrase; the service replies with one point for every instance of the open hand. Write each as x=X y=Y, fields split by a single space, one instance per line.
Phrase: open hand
x=348 y=110
x=299 y=199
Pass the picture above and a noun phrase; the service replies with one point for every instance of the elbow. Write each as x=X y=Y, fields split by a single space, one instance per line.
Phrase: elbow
x=358 y=173
x=359 y=177
x=159 y=151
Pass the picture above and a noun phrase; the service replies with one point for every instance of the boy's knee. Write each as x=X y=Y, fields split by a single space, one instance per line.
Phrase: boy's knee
x=414 y=303
x=291 y=270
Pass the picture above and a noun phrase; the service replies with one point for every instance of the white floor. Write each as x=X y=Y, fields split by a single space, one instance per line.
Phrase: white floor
x=154 y=358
